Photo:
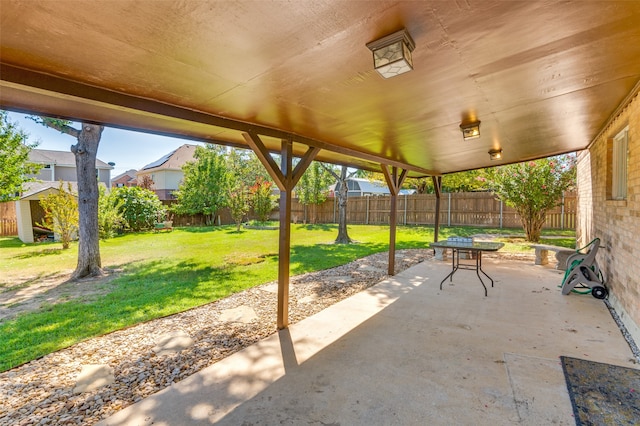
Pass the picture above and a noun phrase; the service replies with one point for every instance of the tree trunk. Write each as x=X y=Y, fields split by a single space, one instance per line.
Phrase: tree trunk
x=85 y=151
x=532 y=223
x=343 y=236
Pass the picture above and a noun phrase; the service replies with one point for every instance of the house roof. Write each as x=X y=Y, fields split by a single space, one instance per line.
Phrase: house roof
x=129 y=175
x=34 y=190
x=60 y=158
x=371 y=187
x=542 y=77
x=173 y=160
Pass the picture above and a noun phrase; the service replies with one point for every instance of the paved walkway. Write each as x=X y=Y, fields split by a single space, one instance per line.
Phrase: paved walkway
x=405 y=352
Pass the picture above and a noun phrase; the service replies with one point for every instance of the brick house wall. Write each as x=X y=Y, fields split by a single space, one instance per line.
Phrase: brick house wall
x=615 y=222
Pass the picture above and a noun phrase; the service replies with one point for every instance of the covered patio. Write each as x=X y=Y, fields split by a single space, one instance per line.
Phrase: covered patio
x=296 y=79
x=406 y=352
x=488 y=82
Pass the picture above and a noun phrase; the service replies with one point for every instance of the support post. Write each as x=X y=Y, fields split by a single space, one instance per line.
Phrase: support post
x=437 y=184
x=286 y=179
x=284 y=243
x=394 y=181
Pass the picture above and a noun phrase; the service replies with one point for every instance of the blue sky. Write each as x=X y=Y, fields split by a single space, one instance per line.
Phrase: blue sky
x=129 y=150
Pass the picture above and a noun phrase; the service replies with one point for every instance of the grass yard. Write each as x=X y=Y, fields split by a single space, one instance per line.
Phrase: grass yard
x=159 y=274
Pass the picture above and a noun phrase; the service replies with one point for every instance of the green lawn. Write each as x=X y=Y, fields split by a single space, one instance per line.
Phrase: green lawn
x=165 y=273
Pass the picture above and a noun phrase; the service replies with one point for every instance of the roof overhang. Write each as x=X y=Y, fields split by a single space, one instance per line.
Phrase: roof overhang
x=542 y=77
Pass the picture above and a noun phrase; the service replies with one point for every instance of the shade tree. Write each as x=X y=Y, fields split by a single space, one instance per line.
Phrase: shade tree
x=15 y=166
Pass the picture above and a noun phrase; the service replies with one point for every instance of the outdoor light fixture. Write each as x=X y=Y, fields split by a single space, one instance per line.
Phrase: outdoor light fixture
x=495 y=154
x=392 y=53
x=470 y=130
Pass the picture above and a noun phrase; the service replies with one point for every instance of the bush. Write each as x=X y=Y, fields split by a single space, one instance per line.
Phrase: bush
x=61 y=213
x=140 y=208
x=110 y=218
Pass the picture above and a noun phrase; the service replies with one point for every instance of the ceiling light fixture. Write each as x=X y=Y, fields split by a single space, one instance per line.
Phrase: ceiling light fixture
x=495 y=154
x=470 y=130
x=392 y=53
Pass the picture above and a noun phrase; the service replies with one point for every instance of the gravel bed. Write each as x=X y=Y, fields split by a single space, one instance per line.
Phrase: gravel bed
x=41 y=392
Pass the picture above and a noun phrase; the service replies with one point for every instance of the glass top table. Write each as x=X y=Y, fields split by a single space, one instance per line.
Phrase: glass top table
x=476 y=248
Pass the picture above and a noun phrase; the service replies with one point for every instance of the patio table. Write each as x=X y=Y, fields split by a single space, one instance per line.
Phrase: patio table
x=475 y=248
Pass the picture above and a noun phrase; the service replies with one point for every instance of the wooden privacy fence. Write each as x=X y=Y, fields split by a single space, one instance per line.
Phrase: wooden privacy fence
x=8 y=219
x=456 y=209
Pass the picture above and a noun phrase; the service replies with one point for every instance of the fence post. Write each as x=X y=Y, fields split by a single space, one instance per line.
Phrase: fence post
x=449 y=211
x=366 y=219
x=334 y=208
x=562 y=213
x=500 y=214
x=405 y=209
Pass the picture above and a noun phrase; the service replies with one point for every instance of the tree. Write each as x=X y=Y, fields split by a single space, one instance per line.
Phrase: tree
x=14 y=159
x=85 y=151
x=262 y=199
x=204 y=187
x=342 y=191
x=245 y=168
x=61 y=214
x=533 y=188
x=140 y=208
x=472 y=180
x=313 y=187
x=243 y=171
x=238 y=203
x=146 y=182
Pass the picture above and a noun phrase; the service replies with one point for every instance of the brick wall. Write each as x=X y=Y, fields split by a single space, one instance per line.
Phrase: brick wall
x=615 y=222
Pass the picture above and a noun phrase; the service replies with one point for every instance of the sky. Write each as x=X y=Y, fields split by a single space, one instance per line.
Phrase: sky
x=129 y=150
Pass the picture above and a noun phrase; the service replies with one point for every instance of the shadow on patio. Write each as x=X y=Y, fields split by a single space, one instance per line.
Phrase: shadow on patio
x=406 y=352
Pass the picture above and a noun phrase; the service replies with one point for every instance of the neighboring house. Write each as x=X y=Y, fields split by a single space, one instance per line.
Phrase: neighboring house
x=360 y=187
x=609 y=207
x=61 y=165
x=57 y=166
x=166 y=172
x=127 y=178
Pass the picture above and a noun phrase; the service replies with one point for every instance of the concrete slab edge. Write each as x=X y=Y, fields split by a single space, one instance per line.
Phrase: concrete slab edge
x=629 y=335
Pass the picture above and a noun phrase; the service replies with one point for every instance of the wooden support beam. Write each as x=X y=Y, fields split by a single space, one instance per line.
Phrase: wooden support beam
x=437 y=184
x=256 y=144
x=284 y=243
x=286 y=178
x=394 y=182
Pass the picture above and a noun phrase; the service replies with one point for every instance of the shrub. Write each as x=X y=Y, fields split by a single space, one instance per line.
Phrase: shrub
x=139 y=207
x=61 y=214
x=110 y=218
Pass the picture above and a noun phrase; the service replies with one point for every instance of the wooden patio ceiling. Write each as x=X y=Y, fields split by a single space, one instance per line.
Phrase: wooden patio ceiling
x=543 y=77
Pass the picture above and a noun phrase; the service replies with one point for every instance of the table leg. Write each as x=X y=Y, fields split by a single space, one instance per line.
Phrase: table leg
x=481 y=270
x=454 y=265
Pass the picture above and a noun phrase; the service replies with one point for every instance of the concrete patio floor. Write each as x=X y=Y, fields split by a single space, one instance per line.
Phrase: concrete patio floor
x=405 y=352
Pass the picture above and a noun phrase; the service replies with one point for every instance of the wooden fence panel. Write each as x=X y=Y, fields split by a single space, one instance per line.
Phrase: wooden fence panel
x=8 y=219
x=456 y=209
